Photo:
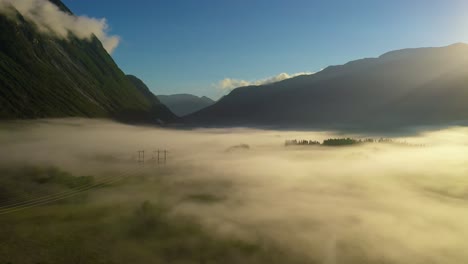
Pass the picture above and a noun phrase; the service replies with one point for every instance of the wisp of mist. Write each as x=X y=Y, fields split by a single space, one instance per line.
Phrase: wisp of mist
x=386 y=203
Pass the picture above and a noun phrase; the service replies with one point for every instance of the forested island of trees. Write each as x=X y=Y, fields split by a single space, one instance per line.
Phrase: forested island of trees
x=347 y=142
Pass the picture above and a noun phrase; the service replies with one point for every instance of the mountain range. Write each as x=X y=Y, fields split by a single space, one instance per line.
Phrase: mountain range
x=184 y=104
x=42 y=76
x=424 y=86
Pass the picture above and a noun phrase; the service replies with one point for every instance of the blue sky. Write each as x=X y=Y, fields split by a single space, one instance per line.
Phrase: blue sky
x=189 y=46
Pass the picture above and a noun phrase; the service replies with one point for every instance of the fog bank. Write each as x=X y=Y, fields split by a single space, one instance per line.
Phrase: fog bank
x=372 y=203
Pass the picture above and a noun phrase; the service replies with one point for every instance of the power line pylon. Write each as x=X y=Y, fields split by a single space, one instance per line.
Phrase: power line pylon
x=141 y=156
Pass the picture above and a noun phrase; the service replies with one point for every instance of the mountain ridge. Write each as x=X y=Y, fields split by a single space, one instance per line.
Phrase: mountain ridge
x=389 y=91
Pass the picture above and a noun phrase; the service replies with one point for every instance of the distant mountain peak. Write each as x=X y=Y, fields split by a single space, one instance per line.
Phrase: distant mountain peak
x=184 y=104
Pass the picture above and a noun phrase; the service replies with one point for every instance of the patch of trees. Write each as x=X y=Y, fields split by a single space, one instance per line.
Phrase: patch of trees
x=340 y=142
x=348 y=142
x=296 y=142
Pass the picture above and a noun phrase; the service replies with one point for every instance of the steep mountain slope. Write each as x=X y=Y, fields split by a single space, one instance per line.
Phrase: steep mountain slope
x=427 y=86
x=45 y=76
x=184 y=104
x=157 y=109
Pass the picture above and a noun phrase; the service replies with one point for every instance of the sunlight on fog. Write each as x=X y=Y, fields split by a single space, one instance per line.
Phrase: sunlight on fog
x=383 y=203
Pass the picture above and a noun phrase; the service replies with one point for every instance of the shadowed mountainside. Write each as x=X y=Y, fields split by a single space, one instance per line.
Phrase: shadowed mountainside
x=426 y=86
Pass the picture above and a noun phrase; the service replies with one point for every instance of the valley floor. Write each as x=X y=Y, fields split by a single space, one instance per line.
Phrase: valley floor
x=76 y=191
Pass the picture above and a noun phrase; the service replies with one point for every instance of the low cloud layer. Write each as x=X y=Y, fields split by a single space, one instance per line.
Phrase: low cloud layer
x=51 y=20
x=230 y=84
x=374 y=203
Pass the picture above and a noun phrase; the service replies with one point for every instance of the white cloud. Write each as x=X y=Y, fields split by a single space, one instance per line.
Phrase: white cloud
x=51 y=20
x=230 y=84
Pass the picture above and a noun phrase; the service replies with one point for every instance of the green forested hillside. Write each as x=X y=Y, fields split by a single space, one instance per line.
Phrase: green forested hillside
x=44 y=76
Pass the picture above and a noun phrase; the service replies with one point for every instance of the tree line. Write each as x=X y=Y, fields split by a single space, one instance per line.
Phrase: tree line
x=347 y=142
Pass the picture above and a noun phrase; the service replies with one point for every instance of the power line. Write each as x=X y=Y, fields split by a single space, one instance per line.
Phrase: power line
x=63 y=195
x=55 y=194
x=21 y=198
x=51 y=196
x=15 y=204
x=44 y=200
